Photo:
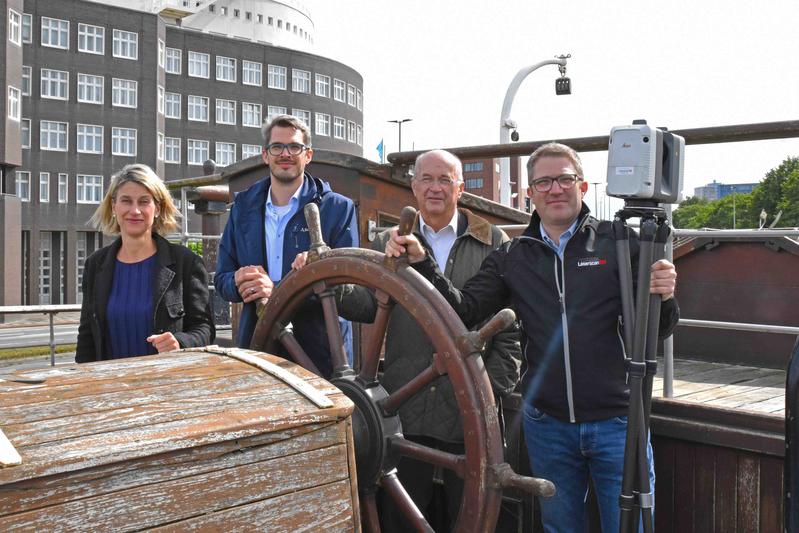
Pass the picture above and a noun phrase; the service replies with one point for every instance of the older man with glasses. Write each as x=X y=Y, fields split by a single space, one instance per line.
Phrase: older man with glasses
x=562 y=278
x=266 y=231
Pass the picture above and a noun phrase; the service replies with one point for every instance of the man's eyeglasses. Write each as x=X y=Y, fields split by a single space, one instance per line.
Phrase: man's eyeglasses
x=566 y=181
x=293 y=148
x=444 y=183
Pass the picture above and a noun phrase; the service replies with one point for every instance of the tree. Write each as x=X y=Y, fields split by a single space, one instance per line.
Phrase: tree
x=789 y=201
x=769 y=193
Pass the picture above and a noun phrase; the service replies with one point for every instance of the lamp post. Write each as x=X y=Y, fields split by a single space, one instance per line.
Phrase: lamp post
x=596 y=195
x=399 y=123
x=506 y=124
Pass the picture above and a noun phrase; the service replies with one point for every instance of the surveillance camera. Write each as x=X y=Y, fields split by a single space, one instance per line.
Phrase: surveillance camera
x=514 y=136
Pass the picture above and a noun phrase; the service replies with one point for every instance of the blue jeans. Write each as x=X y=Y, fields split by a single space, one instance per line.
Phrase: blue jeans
x=567 y=454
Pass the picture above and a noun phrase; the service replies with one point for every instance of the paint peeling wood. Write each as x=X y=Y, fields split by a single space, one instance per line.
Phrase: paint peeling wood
x=127 y=445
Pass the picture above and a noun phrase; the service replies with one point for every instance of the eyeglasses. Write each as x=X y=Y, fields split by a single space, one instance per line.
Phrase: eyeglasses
x=293 y=148
x=444 y=183
x=566 y=181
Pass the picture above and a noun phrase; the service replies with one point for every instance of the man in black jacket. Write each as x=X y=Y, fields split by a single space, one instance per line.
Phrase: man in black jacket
x=567 y=297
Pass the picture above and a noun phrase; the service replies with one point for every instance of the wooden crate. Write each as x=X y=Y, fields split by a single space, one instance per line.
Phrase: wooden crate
x=192 y=440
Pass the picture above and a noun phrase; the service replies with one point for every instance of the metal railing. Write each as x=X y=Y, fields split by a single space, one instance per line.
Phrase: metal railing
x=49 y=310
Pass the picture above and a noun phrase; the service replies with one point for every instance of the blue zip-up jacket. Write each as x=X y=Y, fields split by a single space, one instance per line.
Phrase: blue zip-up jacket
x=243 y=243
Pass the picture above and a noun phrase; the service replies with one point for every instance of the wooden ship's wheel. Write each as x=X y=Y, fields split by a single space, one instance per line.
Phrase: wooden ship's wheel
x=377 y=430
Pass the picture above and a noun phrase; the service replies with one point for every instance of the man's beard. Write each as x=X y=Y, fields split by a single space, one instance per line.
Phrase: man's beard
x=285 y=176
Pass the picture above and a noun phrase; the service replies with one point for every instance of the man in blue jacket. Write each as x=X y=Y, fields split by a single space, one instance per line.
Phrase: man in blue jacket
x=266 y=230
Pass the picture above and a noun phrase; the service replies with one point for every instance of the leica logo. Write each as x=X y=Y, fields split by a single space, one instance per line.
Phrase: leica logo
x=626 y=145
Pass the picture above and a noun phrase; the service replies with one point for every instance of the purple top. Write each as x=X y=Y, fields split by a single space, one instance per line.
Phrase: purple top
x=130 y=309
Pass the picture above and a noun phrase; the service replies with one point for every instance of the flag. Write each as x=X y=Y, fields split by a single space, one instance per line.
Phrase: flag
x=380 y=150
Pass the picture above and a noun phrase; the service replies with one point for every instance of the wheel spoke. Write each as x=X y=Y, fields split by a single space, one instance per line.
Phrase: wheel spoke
x=371 y=357
x=289 y=341
x=413 y=450
x=334 y=338
x=394 y=488
x=369 y=520
x=394 y=401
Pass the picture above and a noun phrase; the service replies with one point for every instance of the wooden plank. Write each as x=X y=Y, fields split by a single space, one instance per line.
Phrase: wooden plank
x=705 y=488
x=8 y=453
x=771 y=515
x=185 y=497
x=726 y=494
x=663 y=451
x=115 y=477
x=773 y=380
x=684 y=461
x=774 y=405
x=89 y=451
x=715 y=379
x=748 y=509
x=323 y=508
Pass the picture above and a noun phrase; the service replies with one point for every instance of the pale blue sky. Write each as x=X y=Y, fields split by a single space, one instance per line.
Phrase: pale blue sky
x=680 y=64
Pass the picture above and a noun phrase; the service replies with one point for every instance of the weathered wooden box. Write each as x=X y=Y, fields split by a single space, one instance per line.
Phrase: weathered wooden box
x=189 y=441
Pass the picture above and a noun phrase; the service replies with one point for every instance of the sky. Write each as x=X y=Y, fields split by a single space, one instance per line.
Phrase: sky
x=679 y=64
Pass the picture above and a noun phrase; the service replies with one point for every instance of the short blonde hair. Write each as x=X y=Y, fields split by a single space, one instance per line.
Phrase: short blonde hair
x=139 y=173
x=554 y=150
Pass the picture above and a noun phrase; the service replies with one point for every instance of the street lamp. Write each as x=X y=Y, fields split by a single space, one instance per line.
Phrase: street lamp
x=596 y=196
x=506 y=124
x=399 y=123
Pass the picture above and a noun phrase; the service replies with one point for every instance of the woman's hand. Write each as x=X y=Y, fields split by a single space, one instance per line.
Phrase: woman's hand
x=165 y=342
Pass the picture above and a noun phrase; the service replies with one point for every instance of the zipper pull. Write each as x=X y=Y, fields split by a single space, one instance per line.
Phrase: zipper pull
x=562 y=306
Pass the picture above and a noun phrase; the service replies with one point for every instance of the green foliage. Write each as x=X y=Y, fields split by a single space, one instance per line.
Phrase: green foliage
x=779 y=190
x=196 y=247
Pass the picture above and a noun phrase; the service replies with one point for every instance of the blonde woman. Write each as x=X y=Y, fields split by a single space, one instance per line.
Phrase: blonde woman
x=142 y=294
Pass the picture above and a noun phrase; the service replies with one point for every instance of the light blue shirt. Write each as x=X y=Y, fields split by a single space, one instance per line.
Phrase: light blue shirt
x=276 y=219
x=441 y=241
x=564 y=239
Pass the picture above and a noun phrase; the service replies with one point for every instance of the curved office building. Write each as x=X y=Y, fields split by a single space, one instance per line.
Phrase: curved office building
x=94 y=85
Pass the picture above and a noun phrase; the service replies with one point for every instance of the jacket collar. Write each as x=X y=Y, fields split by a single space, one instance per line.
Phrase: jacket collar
x=311 y=190
x=534 y=228
x=476 y=227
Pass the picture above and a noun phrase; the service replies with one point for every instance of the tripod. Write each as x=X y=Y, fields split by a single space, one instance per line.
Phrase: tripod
x=641 y=314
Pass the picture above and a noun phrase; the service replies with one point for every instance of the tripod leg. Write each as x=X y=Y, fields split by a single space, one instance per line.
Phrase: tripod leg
x=632 y=479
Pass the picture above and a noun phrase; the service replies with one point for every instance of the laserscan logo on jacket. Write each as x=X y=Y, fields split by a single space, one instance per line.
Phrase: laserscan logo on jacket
x=590 y=261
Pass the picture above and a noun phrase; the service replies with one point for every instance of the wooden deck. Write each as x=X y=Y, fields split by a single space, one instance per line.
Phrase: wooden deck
x=746 y=388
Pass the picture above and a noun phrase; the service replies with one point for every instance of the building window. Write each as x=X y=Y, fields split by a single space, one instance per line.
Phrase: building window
x=123 y=141
x=171 y=149
x=160 y=99
x=55 y=33
x=90 y=139
x=172 y=105
x=251 y=73
x=352 y=131
x=26 y=80
x=270 y=21
x=81 y=251
x=45 y=266
x=25 y=129
x=474 y=183
x=276 y=77
x=55 y=84
x=273 y=111
x=53 y=136
x=250 y=150
x=27 y=28
x=63 y=188
x=198 y=108
x=351 y=100
x=44 y=187
x=303 y=115
x=161 y=53
x=160 y=147
x=24 y=186
x=225 y=69
x=91 y=89
x=300 y=81
x=339 y=125
x=323 y=124
x=359 y=99
x=89 y=189
x=251 y=115
x=323 y=86
x=199 y=65
x=14 y=27
x=339 y=90
x=14 y=103
x=473 y=167
x=236 y=13
x=248 y=15
x=225 y=154
x=260 y=18
x=174 y=61
x=225 y=111
x=126 y=44
x=359 y=136
x=196 y=151
x=124 y=93
x=91 y=39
